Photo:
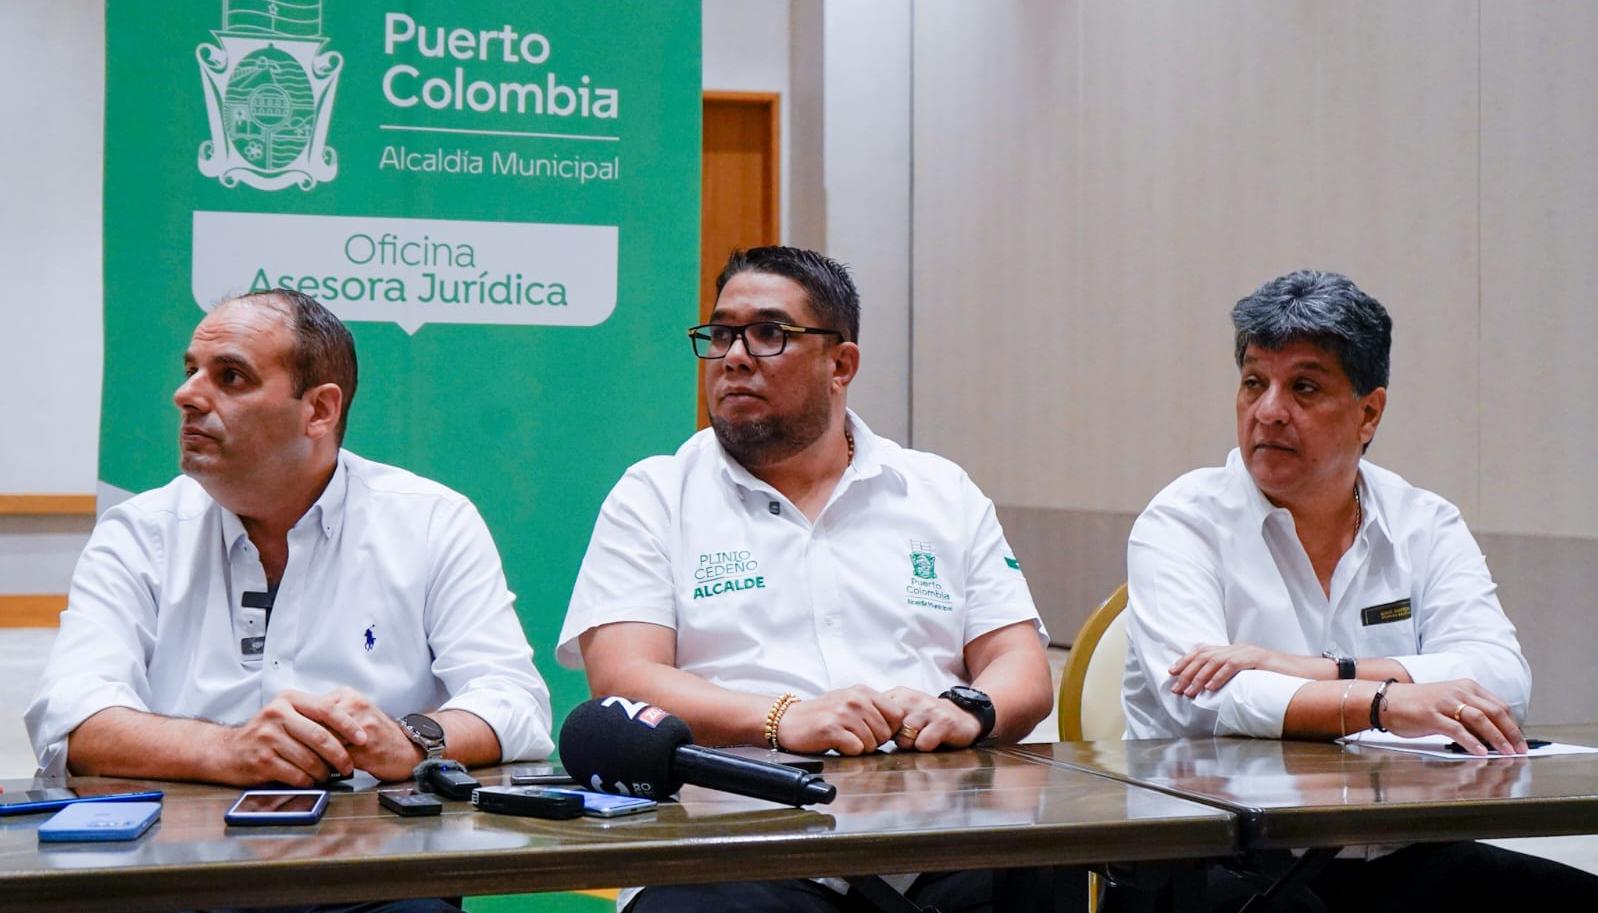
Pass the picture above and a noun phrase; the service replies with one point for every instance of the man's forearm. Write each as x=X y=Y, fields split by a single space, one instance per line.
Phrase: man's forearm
x=122 y=742
x=1019 y=685
x=1320 y=710
x=468 y=738
x=717 y=715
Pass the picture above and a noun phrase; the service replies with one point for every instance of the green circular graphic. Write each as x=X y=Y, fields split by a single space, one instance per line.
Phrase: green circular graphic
x=269 y=109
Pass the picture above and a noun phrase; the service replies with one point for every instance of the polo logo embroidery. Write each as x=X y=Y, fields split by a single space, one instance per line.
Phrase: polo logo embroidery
x=923 y=563
x=727 y=572
x=924 y=590
x=371 y=637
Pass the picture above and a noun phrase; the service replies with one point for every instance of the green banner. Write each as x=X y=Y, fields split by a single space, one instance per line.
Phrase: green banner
x=500 y=197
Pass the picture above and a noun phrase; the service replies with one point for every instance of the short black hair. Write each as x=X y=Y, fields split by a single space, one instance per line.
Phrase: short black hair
x=1327 y=309
x=826 y=282
x=324 y=350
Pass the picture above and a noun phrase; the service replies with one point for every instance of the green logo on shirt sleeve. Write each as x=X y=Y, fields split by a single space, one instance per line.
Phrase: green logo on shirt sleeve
x=1014 y=564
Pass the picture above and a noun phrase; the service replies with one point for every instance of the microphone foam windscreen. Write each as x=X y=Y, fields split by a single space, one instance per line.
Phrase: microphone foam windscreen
x=614 y=745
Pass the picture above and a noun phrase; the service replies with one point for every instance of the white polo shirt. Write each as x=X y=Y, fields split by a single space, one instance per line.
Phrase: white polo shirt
x=904 y=566
x=1211 y=561
x=393 y=587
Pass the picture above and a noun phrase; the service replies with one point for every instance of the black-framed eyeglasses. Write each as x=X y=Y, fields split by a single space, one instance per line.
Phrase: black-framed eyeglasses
x=762 y=340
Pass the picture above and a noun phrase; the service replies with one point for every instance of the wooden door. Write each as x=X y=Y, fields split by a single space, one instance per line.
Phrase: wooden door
x=740 y=187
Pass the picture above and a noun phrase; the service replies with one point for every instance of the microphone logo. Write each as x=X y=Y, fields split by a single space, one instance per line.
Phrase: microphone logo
x=619 y=788
x=638 y=711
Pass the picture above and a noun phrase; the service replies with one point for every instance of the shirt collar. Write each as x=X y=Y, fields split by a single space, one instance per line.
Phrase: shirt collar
x=327 y=513
x=871 y=458
x=1258 y=508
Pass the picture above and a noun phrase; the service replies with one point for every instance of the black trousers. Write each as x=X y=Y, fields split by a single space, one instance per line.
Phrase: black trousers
x=950 y=892
x=1451 y=877
x=427 y=905
x=1454 y=877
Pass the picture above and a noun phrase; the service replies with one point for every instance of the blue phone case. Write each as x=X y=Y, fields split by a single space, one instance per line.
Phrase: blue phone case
x=605 y=805
x=33 y=801
x=100 y=821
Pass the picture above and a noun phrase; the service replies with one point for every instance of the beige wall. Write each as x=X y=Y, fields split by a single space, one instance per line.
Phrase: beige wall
x=1097 y=182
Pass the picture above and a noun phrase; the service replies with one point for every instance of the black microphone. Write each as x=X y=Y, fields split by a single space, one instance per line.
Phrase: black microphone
x=614 y=745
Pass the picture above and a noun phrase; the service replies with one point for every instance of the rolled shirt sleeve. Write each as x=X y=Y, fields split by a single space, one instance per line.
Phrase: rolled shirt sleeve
x=480 y=652
x=106 y=636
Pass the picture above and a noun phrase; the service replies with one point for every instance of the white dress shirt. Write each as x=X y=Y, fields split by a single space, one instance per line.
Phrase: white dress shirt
x=904 y=566
x=1211 y=561
x=393 y=587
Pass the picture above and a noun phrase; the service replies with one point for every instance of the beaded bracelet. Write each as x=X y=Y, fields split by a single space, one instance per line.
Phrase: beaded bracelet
x=774 y=717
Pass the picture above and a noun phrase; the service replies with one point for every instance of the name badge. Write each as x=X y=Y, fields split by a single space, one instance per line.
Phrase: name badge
x=1386 y=613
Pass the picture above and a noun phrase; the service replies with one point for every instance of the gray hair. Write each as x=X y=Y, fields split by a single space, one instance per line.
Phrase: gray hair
x=1327 y=309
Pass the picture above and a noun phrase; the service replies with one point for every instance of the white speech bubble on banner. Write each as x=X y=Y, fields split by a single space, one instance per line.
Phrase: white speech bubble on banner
x=412 y=271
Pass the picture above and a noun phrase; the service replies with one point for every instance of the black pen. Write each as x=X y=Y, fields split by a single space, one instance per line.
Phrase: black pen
x=1531 y=744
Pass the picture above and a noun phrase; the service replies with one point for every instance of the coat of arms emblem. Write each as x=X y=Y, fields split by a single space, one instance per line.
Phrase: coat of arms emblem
x=269 y=96
x=923 y=561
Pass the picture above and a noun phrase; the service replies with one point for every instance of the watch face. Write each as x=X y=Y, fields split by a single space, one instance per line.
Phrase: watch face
x=968 y=695
x=425 y=726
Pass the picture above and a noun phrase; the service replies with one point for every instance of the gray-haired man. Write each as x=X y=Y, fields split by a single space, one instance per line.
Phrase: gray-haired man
x=1302 y=592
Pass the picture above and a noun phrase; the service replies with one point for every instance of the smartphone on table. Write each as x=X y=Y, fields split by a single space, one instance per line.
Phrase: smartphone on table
x=272 y=807
x=100 y=821
x=33 y=801
x=604 y=805
x=539 y=775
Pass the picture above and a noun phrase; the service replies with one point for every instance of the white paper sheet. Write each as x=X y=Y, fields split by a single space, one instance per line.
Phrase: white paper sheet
x=1433 y=746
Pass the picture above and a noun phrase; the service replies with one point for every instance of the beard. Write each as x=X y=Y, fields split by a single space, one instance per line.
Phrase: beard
x=762 y=442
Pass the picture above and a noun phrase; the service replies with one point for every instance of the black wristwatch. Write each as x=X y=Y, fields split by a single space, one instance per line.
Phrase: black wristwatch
x=424 y=731
x=974 y=702
x=1345 y=664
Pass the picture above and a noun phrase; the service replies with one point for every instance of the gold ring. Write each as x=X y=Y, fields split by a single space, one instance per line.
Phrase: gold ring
x=907 y=732
x=1459 y=710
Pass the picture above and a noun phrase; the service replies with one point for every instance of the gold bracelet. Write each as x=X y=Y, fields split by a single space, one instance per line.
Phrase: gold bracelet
x=1342 y=719
x=774 y=717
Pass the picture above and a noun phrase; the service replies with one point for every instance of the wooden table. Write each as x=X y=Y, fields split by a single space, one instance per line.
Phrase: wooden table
x=894 y=813
x=1314 y=794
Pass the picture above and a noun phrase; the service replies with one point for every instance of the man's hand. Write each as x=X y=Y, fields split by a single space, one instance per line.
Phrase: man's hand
x=388 y=753
x=298 y=739
x=1461 y=709
x=1207 y=668
x=850 y=721
x=933 y=722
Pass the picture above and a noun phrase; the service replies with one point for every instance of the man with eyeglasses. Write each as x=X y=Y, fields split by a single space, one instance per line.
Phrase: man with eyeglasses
x=787 y=578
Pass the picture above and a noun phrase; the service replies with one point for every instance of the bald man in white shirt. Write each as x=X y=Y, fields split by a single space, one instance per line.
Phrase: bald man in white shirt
x=285 y=611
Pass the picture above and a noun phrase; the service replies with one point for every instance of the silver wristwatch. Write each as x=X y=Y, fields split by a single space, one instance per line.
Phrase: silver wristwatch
x=424 y=731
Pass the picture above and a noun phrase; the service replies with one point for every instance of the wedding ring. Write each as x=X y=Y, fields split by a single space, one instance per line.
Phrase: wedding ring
x=1459 y=710
x=907 y=732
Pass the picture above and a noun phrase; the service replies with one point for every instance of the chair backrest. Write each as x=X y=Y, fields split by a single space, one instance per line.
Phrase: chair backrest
x=1090 y=687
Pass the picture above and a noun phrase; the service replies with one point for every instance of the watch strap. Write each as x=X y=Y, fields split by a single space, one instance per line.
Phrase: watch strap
x=982 y=710
x=1345 y=664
